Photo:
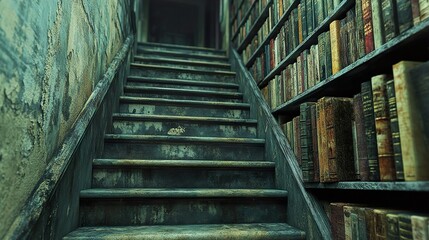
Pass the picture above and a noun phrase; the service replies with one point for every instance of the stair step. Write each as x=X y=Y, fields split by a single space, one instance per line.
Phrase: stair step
x=183 y=94
x=181 y=73
x=142 y=206
x=182 y=55
x=136 y=173
x=178 y=147
x=191 y=64
x=160 y=106
x=183 y=84
x=181 y=48
x=182 y=125
x=256 y=231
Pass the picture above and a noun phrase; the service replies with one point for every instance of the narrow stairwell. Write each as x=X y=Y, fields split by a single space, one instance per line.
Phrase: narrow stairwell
x=183 y=160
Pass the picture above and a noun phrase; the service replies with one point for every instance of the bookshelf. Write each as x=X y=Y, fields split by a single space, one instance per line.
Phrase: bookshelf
x=244 y=18
x=407 y=43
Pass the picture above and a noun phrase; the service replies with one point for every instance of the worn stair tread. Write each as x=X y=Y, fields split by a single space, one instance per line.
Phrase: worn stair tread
x=167 y=68
x=183 y=139
x=130 y=99
x=178 y=53
x=166 y=90
x=110 y=193
x=255 y=231
x=141 y=163
x=140 y=117
x=180 y=61
x=184 y=82
x=153 y=44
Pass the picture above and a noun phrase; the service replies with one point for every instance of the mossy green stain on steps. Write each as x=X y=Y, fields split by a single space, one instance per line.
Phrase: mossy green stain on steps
x=135 y=163
x=182 y=82
x=167 y=68
x=165 y=90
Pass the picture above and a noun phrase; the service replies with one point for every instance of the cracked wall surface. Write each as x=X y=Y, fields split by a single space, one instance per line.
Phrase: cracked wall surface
x=52 y=54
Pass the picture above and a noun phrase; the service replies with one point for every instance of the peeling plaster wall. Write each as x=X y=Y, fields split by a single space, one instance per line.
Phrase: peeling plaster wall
x=52 y=54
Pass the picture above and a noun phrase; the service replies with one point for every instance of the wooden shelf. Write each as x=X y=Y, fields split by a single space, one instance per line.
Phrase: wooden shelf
x=236 y=12
x=246 y=15
x=357 y=72
x=255 y=27
x=272 y=33
x=420 y=186
x=311 y=39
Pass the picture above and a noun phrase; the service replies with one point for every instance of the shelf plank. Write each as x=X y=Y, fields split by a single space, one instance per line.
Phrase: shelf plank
x=246 y=15
x=272 y=33
x=356 y=70
x=341 y=9
x=420 y=186
x=255 y=27
x=236 y=12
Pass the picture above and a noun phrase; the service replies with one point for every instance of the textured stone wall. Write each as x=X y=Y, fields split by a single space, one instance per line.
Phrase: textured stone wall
x=52 y=54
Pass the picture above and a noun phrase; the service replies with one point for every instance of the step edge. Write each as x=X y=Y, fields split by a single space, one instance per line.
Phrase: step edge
x=181 y=61
x=166 y=138
x=98 y=193
x=137 y=65
x=113 y=163
x=190 y=82
x=136 y=117
x=175 y=90
x=180 y=46
x=208 y=56
x=188 y=102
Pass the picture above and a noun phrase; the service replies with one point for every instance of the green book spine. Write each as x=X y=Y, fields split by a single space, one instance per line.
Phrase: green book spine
x=392 y=226
x=306 y=142
x=390 y=23
x=304 y=19
x=328 y=54
x=405 y=15
x=369 y=122
x=377 y=23
x=315 y=153
x=405 y=227
x=309 y=11
x=394 y=127
x=322 y=57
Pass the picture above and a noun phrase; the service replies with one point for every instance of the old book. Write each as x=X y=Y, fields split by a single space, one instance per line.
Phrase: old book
x=306 y=142
x=370 y=223
x=415 y=9
x=354 y=222
x=377 y=23
x=322 y=56
x=392 y=226
x=405 y=226
x=316 y=176
x=424 y=9
x=344 y=46
x=309 y=11
x=300 y=30
x=328 y=53
x=360 y=33
x=334 y=29
x=361 y=154
x=420 y=227
x=321 y=141
x=411 y=89
x=339 y=154
x=380 y=223
x=390 y=23
x=350 y=219
x=382 y=126
x=305 y=32
x=367 y=26
x=337 y=220
x=297 y=140
x=405 y=15
x=371 y=138
x=394 y=128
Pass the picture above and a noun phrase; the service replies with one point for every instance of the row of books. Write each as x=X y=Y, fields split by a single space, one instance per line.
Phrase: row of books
x=353 y=221
x=381 y=134
x=239 y=7
x=310 y=67
x=348 y=39
x=255 y=11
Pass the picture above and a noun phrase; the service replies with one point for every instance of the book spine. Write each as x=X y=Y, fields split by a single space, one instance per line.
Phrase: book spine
x=394 y=127
x=420 y=227
x=367 y=26
x=405 y=227
x=297 y=142
x=369 y=122
x=337 y=220
x=334 y=29
x=415 y=8
x=300 y=30
x=370 y=223
x=360 y=33
x=377 y=23
x=405 y=15
x=390 y=24
x=309 y=11
x=382 y=127
x=361 y=148
x=424 y=9
x=380 y=223
x=328 y=55
x=321 y=139
x=362 y=223
x=316 y=176
x=331 y=167
x=305 y=144
x=304 y=19
x=392 y=226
